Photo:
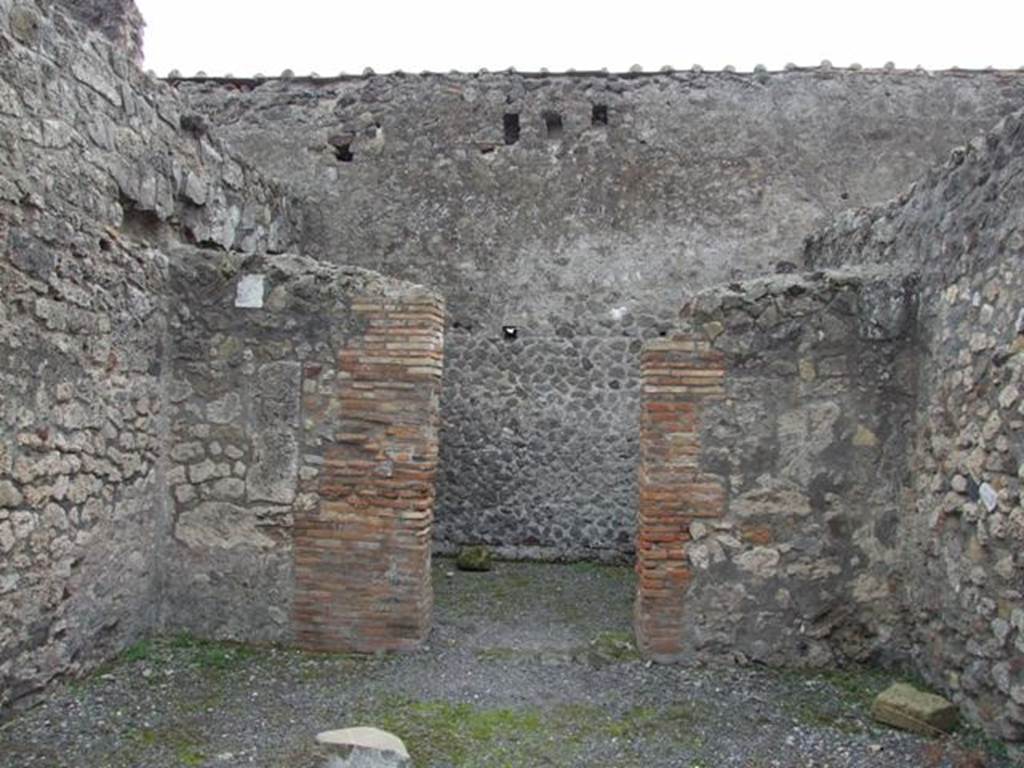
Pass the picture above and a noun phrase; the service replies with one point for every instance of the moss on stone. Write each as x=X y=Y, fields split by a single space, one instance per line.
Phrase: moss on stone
x=610 y=647
x=476 y=558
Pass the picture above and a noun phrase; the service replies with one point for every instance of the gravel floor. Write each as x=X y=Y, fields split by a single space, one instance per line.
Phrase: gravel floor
x=528 y=665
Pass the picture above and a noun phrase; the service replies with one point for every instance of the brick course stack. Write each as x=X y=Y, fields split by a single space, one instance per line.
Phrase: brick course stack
x=362 y=554
x=679 y=375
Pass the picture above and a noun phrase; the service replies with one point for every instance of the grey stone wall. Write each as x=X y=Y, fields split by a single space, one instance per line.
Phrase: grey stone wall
x=810 y=444
x=98 y=171
x=253 y=401
x=962 y=228
x=119 y=20
x=582 y=234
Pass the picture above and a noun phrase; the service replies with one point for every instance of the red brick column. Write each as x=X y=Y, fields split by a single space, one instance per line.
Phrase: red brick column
x=362 y=555
x=678 y=376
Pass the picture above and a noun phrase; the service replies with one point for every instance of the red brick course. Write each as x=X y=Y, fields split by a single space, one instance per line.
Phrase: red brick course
x=679 y=376
x=362 y=552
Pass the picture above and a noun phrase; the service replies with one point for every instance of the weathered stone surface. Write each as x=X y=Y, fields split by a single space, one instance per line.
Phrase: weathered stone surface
x=904 y=706
x=369 y=738
x=220 y=525
x=833 y=465
x=316 y=408
x=363 y=747
x=473 y=559
x=586 y=242
x=119 y=20
x=796 y=527
x=959 y=231
x=10 y=496
x=90 y=193
x=272 y=475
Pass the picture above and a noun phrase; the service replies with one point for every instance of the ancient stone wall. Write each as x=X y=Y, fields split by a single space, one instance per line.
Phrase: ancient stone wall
x=99 y=167
x=304 y=402
x=774 y=445
x=119 y=20
x=577 y=209
x=962 y=228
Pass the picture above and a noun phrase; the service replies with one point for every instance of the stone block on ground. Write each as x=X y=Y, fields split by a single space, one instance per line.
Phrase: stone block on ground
x=904 y=706
x=363 y=747
x=474 y=559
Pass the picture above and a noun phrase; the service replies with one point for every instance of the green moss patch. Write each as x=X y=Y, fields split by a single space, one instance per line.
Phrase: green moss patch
x=464 y=735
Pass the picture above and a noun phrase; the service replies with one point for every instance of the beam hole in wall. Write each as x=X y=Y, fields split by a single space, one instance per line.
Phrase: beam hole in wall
x=511 y=122
x=553 y=124
x=343 y=153
x=138 y=223
x=509 y=332
x=599 y=114
x=341 y=145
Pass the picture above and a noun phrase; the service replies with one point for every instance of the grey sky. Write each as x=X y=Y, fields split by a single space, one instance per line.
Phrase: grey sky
x=243 y=37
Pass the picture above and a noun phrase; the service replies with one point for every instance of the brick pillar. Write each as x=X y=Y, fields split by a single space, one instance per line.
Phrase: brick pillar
x=362 y=555
x=678 y=376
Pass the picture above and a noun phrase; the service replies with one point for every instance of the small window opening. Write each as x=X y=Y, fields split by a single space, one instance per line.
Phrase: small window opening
x=599 y=114
x=511 y=127
x=553 y=124
x=343 y=152
x=510 y=332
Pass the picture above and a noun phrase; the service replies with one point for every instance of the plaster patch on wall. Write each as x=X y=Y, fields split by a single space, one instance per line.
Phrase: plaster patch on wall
x=249 y=294
x=989 y=497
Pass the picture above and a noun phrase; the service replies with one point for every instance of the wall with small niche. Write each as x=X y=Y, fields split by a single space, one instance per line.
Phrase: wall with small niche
x=580 y=208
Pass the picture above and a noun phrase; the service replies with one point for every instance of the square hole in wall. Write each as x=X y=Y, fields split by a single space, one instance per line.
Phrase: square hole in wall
x=599 y=114
x=553 y=124
x=511 y=122
x=341 y=145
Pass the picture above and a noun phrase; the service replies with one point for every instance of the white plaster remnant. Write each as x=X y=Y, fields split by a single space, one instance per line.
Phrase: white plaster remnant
x=249 y=294
x=989 y=497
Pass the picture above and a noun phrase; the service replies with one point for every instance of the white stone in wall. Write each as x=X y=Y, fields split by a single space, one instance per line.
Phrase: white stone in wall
x=989 y=497
x=249 y=294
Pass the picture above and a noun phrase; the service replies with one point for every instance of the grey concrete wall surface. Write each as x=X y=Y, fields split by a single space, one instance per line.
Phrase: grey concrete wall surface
x=98 y=169
x=961 y=228
x=810 y=444
x=581 y=228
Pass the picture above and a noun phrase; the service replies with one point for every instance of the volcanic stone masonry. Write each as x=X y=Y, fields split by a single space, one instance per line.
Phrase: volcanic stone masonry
x=961 y=228
x=653 y=343
x=177 y=401
x=578 y=209
x=303 y=408
x=774 y=459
